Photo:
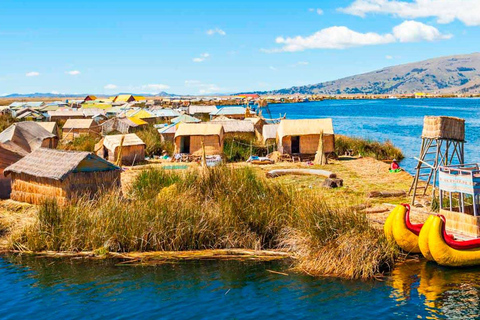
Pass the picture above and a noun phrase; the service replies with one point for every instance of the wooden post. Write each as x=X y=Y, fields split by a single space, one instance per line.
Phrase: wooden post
x=120 y=151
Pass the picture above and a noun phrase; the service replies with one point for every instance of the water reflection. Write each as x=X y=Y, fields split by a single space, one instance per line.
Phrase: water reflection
x=444 y=292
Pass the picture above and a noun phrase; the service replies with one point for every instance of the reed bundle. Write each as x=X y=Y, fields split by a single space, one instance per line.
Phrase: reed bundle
x=444 y=128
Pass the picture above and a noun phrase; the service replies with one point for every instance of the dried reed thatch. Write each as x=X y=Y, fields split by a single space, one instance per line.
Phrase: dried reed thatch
x=132 y=148
x=210 y=134
x=451 y=128
x=309 y=132
x=29 y=136
x=49 y=173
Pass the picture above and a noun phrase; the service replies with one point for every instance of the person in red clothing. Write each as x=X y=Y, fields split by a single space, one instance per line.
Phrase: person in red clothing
x=395 y=167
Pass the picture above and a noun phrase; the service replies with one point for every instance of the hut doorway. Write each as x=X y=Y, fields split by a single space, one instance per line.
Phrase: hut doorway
x=185 y=144
x=295 y=144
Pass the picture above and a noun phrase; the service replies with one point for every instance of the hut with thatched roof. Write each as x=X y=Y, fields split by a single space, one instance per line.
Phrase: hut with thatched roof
x=241 y=129
x=129 y=147
x=74 y=128
x=51 y=127
x=61 y=175
x=29 y=136
x=301 y=137
x=190 y=136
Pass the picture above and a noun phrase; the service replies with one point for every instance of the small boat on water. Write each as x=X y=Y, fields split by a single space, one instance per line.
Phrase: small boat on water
x=459 y=197
x=399 y=229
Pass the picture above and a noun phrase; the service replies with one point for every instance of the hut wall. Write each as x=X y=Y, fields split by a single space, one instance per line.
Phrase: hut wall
x=5 y=186
x=50 y=143
x=91 y=182
x=35 y=190
x=130 y=154
x=309 y=144
x=212 y=145
x=167 y=137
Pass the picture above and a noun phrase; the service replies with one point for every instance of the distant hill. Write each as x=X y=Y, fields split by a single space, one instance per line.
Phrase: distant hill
x=451 y=74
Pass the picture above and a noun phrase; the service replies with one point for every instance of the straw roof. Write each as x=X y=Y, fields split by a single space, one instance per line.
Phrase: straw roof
x=114 y=141
x=185 y=118
x=231 y=125
x=49 y=126
x=65 y=113
x=58 y=164
x=78 y=124
x=199 y=129
x=303 y=127
x=229 y=111
x=196 y=109
x=269 y=131
x=26 y=135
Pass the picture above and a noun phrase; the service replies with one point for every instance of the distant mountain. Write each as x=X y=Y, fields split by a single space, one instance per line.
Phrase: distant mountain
x=451 y=74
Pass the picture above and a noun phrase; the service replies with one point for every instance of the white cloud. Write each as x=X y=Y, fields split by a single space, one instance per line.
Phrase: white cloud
x=110 y=87
x=203 y=88
x=389 y=57
x=445 y=11
x=333 y=38
x=73 y=72
x=300 y=63
x=202 y=57
x=32 y=74
x=219 y=31
x=318 y=10
x=340 y=37
x=54 y=92
x=413 y=31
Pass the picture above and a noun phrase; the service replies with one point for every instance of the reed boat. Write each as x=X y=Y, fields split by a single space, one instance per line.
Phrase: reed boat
x=446 y=251
x=399 y=229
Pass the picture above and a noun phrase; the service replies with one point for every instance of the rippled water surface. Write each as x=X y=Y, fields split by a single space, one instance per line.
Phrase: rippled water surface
x=34 y=288
x=399 y=121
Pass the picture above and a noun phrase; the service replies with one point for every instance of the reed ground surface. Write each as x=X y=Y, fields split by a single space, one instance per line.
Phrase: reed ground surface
x=361 y=176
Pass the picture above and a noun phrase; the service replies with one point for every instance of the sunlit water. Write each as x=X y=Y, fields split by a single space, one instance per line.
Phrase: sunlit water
x=73 y=289
x=34 y=288
x=399 y=121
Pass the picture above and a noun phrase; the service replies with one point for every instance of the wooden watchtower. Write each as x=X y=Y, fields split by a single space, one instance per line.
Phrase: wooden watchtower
x=443 y=141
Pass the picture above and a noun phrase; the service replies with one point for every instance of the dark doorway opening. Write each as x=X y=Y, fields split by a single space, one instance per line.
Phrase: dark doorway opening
x=185 y=145
x=295 y=144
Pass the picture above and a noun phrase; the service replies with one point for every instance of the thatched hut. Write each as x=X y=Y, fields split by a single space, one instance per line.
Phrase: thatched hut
x=131 y=147
x=190 y=136
x=58 y=174
x=230 y=112
x=51 y=127
x=29 y=136
x=74 y=128
x=302 y=137
x=241 y=129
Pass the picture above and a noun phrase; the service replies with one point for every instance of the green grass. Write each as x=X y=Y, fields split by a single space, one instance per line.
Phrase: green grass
x=214 y=209
x=367 y=148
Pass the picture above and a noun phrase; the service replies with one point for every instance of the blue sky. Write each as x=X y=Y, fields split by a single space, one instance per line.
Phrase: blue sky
x=202 y=47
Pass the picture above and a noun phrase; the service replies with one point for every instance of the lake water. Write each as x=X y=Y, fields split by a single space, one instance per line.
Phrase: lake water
x=400 y=121
x=40 y=288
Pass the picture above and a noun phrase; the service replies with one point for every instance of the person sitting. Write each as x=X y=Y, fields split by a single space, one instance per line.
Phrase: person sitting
x=395 y=167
